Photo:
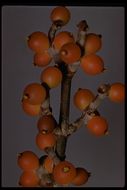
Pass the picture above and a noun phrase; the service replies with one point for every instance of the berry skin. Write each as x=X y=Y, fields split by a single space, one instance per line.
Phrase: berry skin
x=61 y=39
x=117 y=92
x=42 y=59
x=29 y=179
x=93 y=43
x=82 y=98
x=64 y=172
x=38 y=41
x=29 y=109
x=52 y=76
x=81 y=176
x=46 y=124
x=45 y=140
x=34 y=93
x=92 y=64
x=98 y=126
x=27 y=160
x=61 y=14
x=48 y=164
x=70 y=53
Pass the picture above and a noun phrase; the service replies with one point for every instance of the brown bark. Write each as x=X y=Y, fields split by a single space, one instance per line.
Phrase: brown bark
x=64 y=111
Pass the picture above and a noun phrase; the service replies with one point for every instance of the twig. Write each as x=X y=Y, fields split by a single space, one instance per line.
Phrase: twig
x=46 y=179
x=91 y=110
x=64 y=112
x=80 y=41
x=51 y=153
x=45 y=106
x=53 y=29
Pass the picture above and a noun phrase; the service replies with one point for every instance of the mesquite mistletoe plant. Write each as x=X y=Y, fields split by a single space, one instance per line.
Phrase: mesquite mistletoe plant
x=68 y=53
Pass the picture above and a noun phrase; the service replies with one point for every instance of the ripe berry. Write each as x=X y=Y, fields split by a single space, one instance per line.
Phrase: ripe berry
x=46 y=124
x=92 y=64
x=45 y=140
x=48 y=164
x=61 y=14
x=82 y=98
x=64 y=172
x=70 y=53
x=38 y=41
x=28 y=160
x=61 y=39
x=93 y=43
x=42 y=59
x=31 y=110
x=98 y=126
x=29 y=179
x=35 y=93
x=52 y=76
x=81 y=178
x=117 y=92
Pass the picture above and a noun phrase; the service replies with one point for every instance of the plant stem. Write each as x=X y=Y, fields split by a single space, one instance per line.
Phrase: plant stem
x=65 y=99
x=91 y=109
x=64 y=111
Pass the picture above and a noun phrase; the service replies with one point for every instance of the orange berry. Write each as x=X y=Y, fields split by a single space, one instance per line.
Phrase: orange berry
x=61 y=14
x=92 y=64
x=42 y=59
x=46 y=124
x=98 y=126
x=52 y=76
x=82 y=98
x=70 y=53
x=35 y=93
x=93 y=43
x=48 y=164
x=81 y=177
x=64 y=172
x=61 y=39
x=45 y=140
x=117 y=92
x=31 y=110
x=28 y=160
x=29 y=179
x=38 y=41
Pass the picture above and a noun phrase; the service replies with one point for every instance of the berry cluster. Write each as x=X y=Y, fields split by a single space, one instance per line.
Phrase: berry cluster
x=67 y=53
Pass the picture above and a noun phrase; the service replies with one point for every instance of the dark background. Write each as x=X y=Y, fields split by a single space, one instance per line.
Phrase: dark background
x=104 y=157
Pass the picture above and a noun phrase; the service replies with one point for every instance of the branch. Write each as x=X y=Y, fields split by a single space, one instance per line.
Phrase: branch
x=64 y=110
x=46 y=179
x=102 y=93
x=68 y=73
x=81 y=36
x=91 y=110
x=80 y=41
x=65 y=96
x=53 y=29
x=51 y=153
x=45 y=106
